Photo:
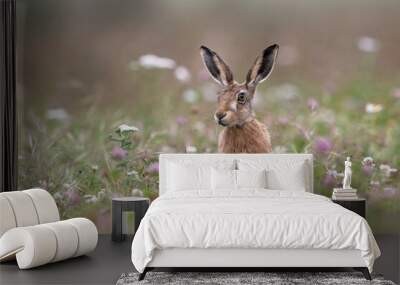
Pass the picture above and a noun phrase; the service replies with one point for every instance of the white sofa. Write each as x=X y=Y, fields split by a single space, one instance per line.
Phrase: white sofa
x=31 y=230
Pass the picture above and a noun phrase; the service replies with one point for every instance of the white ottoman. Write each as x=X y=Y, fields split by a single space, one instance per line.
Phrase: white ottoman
x=31 y=232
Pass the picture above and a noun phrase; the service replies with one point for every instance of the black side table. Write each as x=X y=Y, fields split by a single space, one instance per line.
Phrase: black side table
x=139 y=205
x=358 y=205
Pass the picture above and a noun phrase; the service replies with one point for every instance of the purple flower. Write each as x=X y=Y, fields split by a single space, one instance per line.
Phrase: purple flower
x=368 y=169
x=396 y=93
x=181 y=120
x=330 y=178
x=323 y=145
x=283 y=120
x=153 y=167
x=118 y=153
x=73 y=197
x=312 y=104
x=389 y=192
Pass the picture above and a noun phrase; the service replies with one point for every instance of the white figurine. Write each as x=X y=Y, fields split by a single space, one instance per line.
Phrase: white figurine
x=347 y=174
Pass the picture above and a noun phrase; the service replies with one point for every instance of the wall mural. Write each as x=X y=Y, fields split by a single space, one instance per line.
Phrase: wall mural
x=105 y=86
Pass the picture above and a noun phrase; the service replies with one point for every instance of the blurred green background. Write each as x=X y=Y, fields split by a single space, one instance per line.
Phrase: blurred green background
x=85 y=67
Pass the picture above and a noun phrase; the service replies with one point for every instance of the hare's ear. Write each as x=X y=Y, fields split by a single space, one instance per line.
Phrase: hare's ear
x=217 y=68
x=263 y=66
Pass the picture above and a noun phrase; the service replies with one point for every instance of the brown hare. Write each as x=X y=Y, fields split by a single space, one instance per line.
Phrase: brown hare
x=243 y=133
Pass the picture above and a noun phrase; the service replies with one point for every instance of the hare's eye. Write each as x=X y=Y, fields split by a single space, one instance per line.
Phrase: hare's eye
x=242 y=97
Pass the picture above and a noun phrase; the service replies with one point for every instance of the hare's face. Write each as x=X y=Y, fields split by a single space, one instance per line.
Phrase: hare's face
x=234 y=100
x=234 y=105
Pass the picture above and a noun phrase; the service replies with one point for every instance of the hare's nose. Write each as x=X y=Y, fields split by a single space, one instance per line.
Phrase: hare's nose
x=220 y=115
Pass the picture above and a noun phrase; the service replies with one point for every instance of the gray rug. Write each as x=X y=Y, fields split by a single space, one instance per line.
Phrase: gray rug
x=243 y=278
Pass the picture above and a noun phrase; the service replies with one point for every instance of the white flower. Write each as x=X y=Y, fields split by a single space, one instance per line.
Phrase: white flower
x=137 y=193
x=191 y=149
x=182 y=74
x=132 y=173
x=373 y=108
x=95 y=167
x=368 y=160
x=209 y=92
x=101 y=194
x=200 y=127
x=90 y=199
x=154 y=61
x=368 y=44
x=279 y=149
x=387 y=170
x=57 y=114
x=125 y=128
x=286 y=91
x=58 y=195
x=190 y=96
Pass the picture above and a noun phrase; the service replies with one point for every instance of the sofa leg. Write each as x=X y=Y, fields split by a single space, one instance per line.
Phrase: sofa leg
x=143 y=274
x=364 y=271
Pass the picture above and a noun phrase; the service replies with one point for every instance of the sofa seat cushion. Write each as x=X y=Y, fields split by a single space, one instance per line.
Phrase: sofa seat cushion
x=40 y=244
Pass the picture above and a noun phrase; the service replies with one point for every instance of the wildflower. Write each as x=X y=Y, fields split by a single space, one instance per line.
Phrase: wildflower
x=323 y=145
x=368 y=44
x=58 y=196
x=132 y=173
x=57 y=114
x=181 y=120
x=209 y=92
x=90 y=199
x=182 y=74
x=95 y=167
x=200 y=127
x=101 y=194
x=190 y=96
x=283 y=120
x=368 y=165
x=389 y=192
x=154 y=61
x=118 y=153
x=72 y=196
x=286 y=91
x=137 y=193
x=373 y=108
x=330 y=178
x=153 y=167
x=125 y=128
x=312 y=104
x=396 y=93
x=191 y=149
x=280 y=149
x=387 y=170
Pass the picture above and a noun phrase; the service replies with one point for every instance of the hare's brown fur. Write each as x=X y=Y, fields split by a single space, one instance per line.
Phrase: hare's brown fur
x=253 y=137
x=243 y=133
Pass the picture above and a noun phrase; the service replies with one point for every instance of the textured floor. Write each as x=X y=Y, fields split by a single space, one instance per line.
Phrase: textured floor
x=251 y=278
x=106 y=264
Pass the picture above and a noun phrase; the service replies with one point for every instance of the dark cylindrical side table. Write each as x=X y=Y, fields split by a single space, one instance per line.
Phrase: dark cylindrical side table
x=139 y=205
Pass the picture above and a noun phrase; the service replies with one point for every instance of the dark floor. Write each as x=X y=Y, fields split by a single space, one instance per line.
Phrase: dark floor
x=110 y=260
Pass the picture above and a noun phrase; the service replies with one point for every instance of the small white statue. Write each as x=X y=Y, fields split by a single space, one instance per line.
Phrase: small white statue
x=347 y=174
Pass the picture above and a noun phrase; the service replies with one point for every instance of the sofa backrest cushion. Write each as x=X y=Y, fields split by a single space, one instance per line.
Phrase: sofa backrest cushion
x=26 y=208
